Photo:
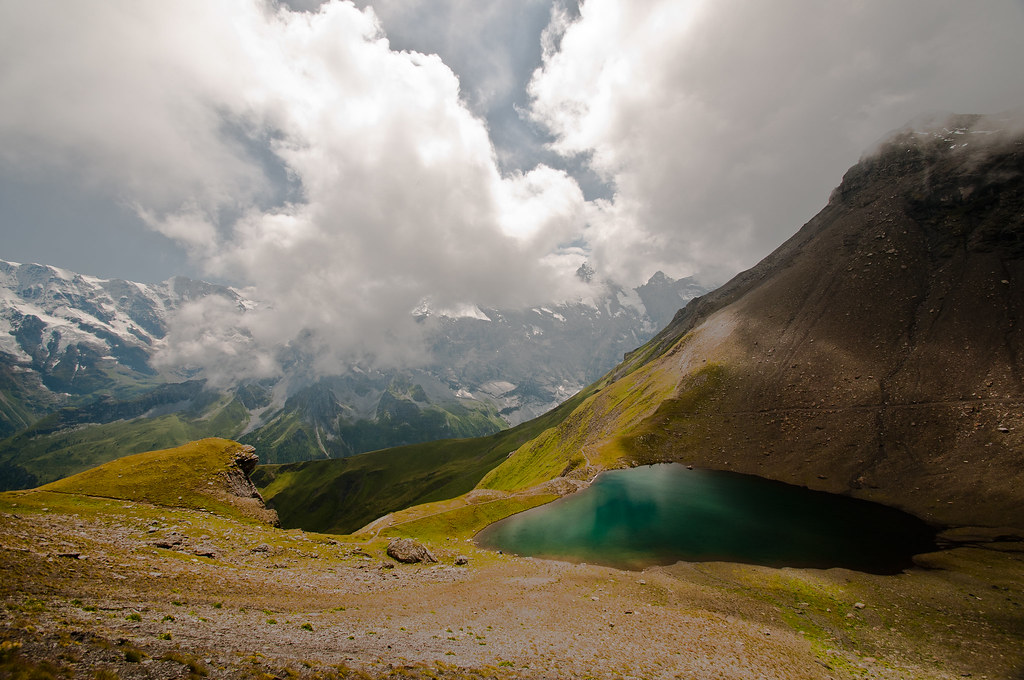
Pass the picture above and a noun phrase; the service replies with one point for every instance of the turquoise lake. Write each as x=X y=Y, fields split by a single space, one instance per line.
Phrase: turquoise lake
x=661 y=514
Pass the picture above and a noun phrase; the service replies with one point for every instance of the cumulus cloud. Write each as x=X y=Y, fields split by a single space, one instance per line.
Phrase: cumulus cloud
x=340 y=181
x=724 y=124
x=396 y=195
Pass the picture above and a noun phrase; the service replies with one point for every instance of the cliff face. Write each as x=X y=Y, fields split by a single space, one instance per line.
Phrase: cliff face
x=879 y=352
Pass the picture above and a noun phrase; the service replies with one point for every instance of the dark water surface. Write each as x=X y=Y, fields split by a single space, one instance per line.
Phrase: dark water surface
x=660 y=514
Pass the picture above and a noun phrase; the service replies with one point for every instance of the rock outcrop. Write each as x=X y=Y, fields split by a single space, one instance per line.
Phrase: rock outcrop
x=235 y=482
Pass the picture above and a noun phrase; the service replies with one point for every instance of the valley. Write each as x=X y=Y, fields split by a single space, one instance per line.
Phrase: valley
x=876 y=354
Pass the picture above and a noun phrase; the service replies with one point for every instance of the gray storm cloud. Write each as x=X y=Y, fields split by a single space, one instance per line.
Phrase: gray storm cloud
x=339 y=181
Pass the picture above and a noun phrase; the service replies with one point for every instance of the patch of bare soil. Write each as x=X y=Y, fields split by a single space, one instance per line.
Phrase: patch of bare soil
x=105 y=589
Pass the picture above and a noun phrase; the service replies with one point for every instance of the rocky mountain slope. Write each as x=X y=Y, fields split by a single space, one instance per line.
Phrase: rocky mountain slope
x=78 y=384
x=877 y=353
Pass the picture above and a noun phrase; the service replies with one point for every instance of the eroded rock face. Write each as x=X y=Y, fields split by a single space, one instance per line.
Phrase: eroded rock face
x=246 y=459
x=236 y=484
x=237 y=480
x=408 y=551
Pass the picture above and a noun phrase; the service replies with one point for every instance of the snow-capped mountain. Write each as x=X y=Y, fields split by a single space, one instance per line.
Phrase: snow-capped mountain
x=82 y=348
x=62 y=324
x=528 y=361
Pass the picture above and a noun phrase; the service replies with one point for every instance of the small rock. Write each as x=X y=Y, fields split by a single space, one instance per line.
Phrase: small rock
x=171 y=541
x=204 y=551
x=1003 y=429
x=859 y=605
x=408 y=551
x=461 y=560
x=261 y=548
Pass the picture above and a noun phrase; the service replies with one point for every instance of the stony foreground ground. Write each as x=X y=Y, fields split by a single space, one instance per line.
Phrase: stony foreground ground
x=95 y=588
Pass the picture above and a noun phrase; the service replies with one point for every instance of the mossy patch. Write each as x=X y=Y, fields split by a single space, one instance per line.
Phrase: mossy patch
x=461 y=519
x=589 y=436
x=677 y=424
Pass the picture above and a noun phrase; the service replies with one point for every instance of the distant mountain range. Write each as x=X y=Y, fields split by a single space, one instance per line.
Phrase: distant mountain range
x=78 y=385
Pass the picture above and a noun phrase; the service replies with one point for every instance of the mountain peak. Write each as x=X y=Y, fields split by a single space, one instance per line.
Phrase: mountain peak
x=585 y=272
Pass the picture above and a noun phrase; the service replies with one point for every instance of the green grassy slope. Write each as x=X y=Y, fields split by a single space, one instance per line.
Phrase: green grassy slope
x=194 y=475
x=340 y=496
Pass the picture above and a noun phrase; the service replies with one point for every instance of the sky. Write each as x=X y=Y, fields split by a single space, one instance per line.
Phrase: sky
x=342 y=163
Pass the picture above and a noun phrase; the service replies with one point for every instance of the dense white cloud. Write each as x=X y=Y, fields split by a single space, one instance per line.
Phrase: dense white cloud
x=396 y=194
x=340 y=181
x=724 y=124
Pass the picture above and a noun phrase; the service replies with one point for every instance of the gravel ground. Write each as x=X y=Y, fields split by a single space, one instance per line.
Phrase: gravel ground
x=138 y=591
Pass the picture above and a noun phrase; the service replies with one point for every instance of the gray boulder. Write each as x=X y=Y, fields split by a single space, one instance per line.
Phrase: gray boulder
x=408 y=551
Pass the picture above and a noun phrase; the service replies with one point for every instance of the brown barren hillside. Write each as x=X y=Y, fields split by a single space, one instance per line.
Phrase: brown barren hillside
x=879 y=352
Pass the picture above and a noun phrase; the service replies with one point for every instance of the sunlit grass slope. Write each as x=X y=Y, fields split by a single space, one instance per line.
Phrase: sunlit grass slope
x=425 y=486
x=190 y=476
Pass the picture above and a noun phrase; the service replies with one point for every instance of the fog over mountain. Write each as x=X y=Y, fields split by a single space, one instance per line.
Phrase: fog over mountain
x=91 y=368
